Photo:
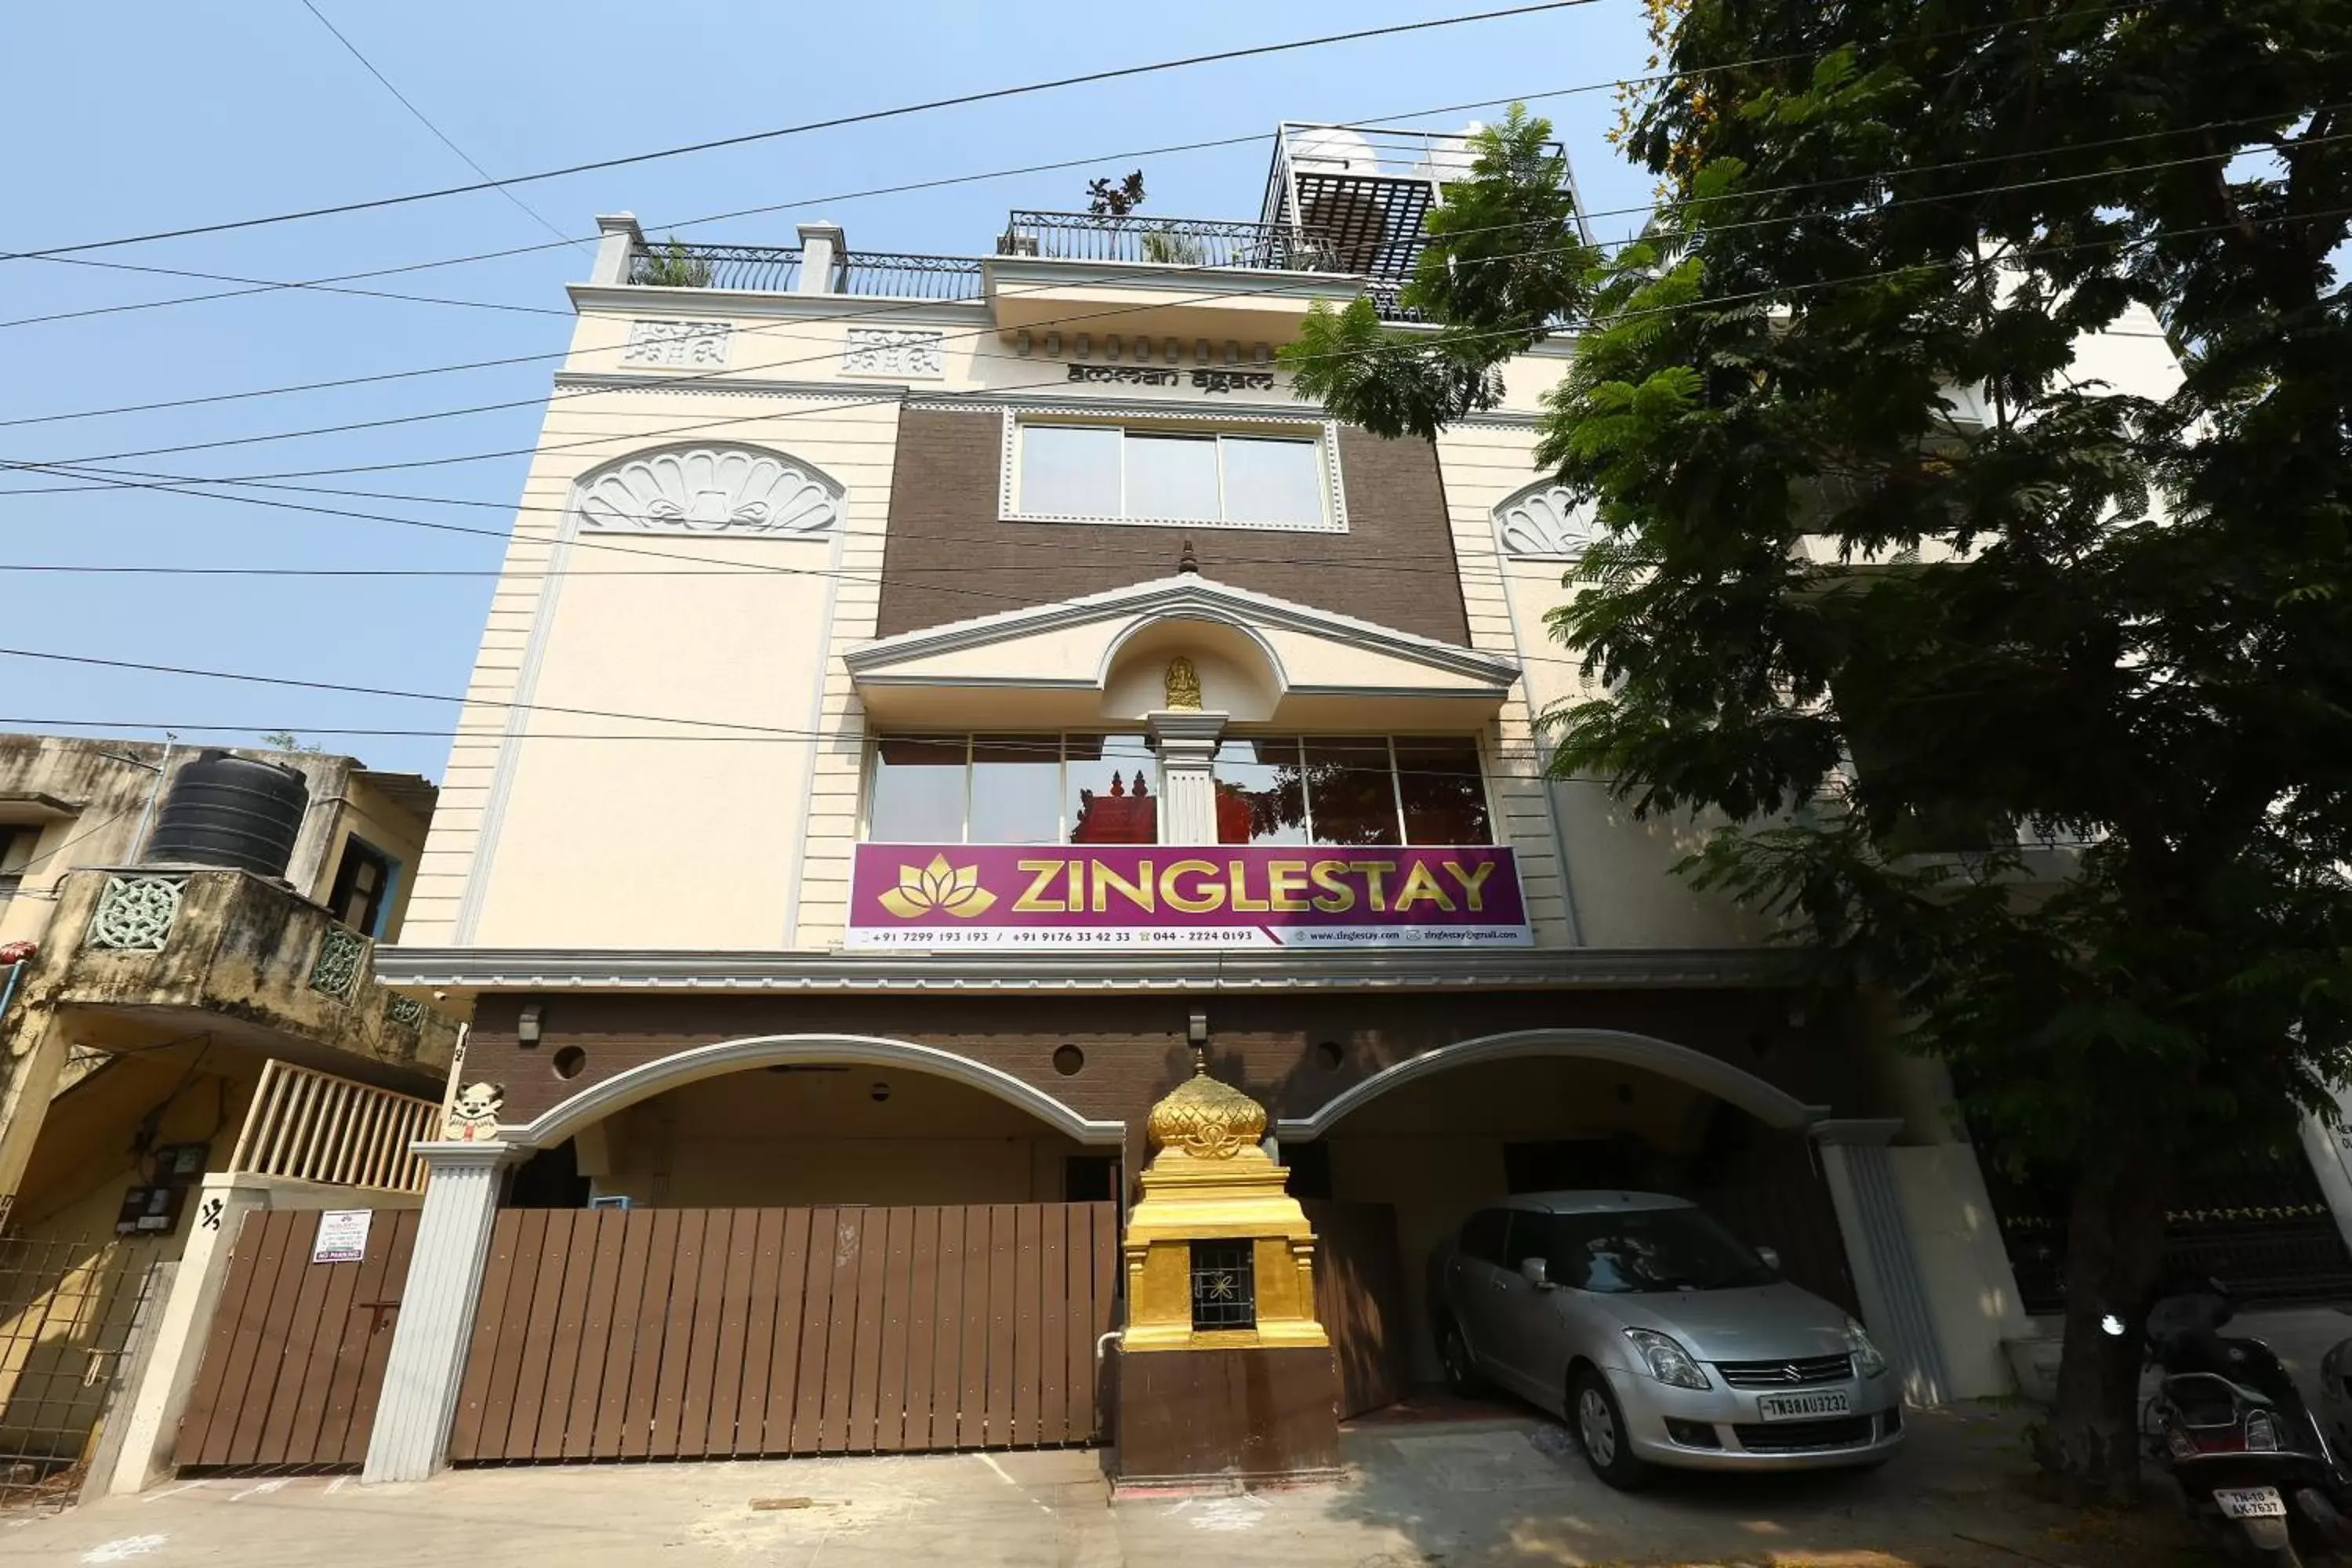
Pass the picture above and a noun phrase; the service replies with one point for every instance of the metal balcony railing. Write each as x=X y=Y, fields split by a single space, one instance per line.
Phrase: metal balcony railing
x=772 y=268
x=1164 y=242
x=901 y=275
x=776 y=269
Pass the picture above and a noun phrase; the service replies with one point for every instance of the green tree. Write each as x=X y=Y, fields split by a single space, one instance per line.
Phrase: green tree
x=1894 y=579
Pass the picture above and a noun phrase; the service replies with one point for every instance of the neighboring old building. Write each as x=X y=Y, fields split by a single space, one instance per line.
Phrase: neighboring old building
x=926 y=697
x=194 y=982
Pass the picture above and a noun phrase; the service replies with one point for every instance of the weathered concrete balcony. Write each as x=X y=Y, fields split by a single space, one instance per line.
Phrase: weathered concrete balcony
x=139 y=957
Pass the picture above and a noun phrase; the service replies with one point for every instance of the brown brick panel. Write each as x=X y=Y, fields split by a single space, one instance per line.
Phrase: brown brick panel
x=947 y=557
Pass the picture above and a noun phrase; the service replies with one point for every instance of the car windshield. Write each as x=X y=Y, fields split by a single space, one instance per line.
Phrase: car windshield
x=1632 y=1251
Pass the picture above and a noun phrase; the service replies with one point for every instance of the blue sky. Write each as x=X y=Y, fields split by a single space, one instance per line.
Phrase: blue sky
x=155 y=117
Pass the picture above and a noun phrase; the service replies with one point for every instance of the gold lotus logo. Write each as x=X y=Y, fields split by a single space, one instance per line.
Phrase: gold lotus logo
x=938 y=885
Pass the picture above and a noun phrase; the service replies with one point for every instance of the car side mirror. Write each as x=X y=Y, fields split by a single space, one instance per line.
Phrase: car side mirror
x=1772 y=1256
x=1536 y=1272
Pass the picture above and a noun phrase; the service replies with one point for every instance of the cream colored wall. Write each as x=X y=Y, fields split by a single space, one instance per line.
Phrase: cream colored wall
x=757 y=1139
x=641 y=842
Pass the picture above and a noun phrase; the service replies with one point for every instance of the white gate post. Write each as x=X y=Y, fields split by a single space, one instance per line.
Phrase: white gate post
x=1878 y=1250
x=436 y=1322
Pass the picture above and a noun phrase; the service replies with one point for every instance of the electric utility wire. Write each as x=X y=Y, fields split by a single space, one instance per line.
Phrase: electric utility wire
x=1625 y=315
x=265 y=286
x=865 y=117
x=167 y=481
x=440 y=135
x=831 y=351
x=980 y=743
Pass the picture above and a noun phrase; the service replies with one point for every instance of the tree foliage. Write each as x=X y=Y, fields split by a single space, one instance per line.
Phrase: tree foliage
x=1969 y=435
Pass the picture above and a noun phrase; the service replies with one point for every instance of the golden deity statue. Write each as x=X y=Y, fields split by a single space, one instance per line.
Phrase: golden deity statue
x=1184 y=685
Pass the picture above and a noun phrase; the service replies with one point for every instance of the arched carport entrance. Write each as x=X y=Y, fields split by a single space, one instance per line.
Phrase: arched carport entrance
x=1410 y=1152
x=796 y=1245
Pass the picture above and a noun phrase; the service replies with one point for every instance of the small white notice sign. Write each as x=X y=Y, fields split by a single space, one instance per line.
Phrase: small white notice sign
x=342 y=1236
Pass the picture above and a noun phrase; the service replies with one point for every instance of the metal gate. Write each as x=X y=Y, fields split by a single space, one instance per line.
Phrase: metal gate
x=712 y=1333
x=67 y=1309
x=296 y=1356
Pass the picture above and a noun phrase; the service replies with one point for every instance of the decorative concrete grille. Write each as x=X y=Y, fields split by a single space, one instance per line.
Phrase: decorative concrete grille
x=341 y=952
x=405 y=1011
x=135 y=914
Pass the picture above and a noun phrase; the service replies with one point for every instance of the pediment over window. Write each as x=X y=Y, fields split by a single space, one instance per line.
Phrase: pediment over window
x=713 y=489
x=1105 y=657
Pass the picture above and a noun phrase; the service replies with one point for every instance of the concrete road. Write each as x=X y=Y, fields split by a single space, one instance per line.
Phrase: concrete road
x=1455 y=1493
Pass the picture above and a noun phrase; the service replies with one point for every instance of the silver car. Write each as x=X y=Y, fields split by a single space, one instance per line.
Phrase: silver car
x=1658 y=1337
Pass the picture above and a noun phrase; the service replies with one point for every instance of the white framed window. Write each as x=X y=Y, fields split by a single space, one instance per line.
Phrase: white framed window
x=1177 y=473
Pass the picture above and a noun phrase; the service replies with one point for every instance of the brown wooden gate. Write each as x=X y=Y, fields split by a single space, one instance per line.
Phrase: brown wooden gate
x=1359 y=1296
x=711 y=1333
x=296 y=1356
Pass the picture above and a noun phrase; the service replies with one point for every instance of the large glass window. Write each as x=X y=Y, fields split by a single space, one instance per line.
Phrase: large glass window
x=1013 y=789
x=1093 y=788
x=1171 y=476
x=1016 y=789
x=919 y=789
x=1106 y=794
x=1070 y=470
x=1351 y=789
x=1261 y=794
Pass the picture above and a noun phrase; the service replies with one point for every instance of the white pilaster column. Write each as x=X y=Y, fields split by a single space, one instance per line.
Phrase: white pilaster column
x=622 y=239
x=429 y=1337
x=1186 y=739
x=1878 y=1251
x=822 y=244
x=2329 y=1148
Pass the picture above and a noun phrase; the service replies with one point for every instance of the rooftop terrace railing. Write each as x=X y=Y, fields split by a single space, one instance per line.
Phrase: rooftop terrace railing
x=1163 y=242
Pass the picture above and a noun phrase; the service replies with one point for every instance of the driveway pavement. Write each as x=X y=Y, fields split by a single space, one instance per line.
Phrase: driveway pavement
x=1450 y=1493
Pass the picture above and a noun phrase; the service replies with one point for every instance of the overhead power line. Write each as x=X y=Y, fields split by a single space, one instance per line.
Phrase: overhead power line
x=833 y=122
x=830 y=351
x=440 y=135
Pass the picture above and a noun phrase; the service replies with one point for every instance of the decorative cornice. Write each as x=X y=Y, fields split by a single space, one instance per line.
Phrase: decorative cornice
x=1187 y=592
x=639 y=300
x=1392 y=969
x=860 y=391
x=1219 y=283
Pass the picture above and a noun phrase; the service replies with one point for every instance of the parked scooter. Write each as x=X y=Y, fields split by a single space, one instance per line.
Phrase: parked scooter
x=2255 y=1469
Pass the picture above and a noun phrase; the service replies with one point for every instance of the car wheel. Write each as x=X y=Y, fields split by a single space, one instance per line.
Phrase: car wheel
x=1598 y=1422
x=1461 y=1367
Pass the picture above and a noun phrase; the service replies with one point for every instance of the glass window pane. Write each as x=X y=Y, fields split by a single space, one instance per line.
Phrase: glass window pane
x=1269 y=480
x=1016 y=789
x=1171 y=476
x=1444 y=798
x=1069 y=471
x=1113 y=795
x=1350 y=794
x=1259 y=800
x=918 y=791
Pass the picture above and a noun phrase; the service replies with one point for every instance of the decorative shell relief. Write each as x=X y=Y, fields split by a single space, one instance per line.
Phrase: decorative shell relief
x=1546 y=523
x=1207 y=1118
x=710 y=490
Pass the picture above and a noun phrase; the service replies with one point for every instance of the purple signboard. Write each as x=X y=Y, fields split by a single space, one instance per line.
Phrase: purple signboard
x=1132 y=896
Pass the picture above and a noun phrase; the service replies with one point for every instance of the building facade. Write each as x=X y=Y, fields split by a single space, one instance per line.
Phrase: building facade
x=184 y=1035
x=928 y=696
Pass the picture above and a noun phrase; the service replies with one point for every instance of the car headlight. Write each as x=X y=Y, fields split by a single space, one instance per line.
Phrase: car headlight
x=1868 y=1359
x=1667 y=1361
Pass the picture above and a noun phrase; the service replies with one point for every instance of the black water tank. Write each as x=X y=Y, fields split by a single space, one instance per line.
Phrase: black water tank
x=227 y=810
